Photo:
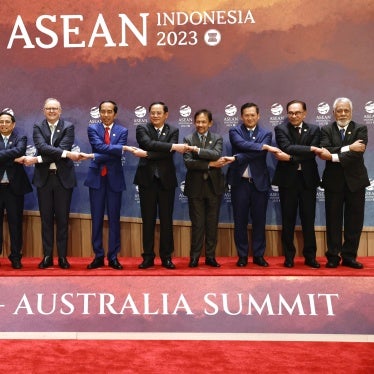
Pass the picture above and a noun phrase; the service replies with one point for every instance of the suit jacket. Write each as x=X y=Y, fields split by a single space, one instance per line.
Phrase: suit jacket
x=107 y=154
x=286 y=171
x=18 y=181
x=248 y=151
x=159 y=156
x=197 y=164
x=63 y=139
x=351 y=168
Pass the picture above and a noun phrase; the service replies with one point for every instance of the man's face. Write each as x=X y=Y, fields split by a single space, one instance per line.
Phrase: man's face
x=202 y=123
x=157 y=115
x=250 y=117
x=343 y=113
x=52 y=111
x=6 y=125
x=107 y=114
x=296 y=114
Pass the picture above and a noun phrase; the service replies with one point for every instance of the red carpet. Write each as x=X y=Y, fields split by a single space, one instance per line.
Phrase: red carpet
x=202 y=357
x=169 y=356
x=276 y=268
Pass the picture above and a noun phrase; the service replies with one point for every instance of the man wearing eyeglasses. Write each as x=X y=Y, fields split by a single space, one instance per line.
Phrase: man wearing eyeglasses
x=344 y=179
x=14 y=184
x=297 y=177
x=54 y=177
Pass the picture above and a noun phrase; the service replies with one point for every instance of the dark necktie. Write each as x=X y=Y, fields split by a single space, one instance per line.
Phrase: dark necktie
x=158 y=133
x=342 y=133
x=203 y=140
x=104 y=170
x=298 y=133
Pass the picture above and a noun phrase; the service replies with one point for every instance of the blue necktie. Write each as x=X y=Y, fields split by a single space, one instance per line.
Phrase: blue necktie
x=342 y=133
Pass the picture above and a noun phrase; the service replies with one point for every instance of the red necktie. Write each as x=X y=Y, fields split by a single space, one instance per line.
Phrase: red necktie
x=106 y=141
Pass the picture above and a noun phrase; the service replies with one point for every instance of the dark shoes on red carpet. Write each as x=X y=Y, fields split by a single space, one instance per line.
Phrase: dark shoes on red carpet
x=115 y=264
x=147 y=263
x=312 y=263
x=97 y=262
x=167 y=263
x=46 y=262
x=242 y=261
x=211 y=261
x=260 y=261
x=16 y=263
x=194 y=262
x=289 y=264
x=63 y=263
x=352 y=263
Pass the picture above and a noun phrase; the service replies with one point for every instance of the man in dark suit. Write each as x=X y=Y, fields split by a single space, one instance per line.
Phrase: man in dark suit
x=250 y=182
x=54 y=178
x=297 y=176
x=14 y=184
x=106 y=183
x=204 y=187
x=344 y=179
x=156 y=178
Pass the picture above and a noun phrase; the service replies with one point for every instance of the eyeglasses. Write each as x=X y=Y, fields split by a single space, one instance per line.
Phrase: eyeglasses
x=5 y=122
x=297 y=114
x=51 y=109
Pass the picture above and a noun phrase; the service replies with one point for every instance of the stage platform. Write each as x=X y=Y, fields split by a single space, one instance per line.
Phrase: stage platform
x=243 y=303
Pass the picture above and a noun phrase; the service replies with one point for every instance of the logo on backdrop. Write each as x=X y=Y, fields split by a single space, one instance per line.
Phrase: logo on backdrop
x=185 y=119
x=94 y=114
x=323 y=117
x=369 y=113
x=231 y=118
x=277 y=118
x=140 y=115
x=182 y=197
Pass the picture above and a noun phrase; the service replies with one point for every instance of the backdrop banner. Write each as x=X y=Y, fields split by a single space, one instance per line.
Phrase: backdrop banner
x=191 y=55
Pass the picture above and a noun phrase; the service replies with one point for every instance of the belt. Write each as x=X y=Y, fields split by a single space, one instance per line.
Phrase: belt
x=249 y=180
x=52 y=171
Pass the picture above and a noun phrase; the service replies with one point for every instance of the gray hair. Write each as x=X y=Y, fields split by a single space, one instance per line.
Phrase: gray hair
x=341 y=99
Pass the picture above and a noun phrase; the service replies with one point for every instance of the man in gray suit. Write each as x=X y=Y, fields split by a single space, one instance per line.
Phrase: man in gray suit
x=204 y=187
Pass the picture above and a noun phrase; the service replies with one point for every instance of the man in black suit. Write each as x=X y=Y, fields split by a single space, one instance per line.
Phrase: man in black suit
x=204 y=187
x=297 y=176
x=54 y=178
x=14 y=184
x=344 y=179
x=156 y=178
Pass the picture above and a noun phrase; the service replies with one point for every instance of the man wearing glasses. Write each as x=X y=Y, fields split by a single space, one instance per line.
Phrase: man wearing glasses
x=54 y=178
x=297 y=177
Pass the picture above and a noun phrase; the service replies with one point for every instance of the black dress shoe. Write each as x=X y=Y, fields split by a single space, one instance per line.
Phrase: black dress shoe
x=147 y=263
x=63 y=263
x=289 y=264
x=260 y=261
x=352 y=263
x=16 y=263
x=194 y=262
x=167 y=263
x=97 y=262
x=115 y=264
x=312 y=263
x=332 y=264
x=46 y=262
x=243 y=261
x=211 y=261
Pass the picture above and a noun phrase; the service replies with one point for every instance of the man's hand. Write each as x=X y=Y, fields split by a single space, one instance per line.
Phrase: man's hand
x=282 y=156
x=85 y=156
x=222 y=161
x=181 y=148
x=315 y=150
x=27 y=160
x=357 y=146
x=269 y=148
x=325 y=154
x=73 y=155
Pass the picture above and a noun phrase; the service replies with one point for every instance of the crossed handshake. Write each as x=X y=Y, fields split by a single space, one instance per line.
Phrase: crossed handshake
x=75 y=156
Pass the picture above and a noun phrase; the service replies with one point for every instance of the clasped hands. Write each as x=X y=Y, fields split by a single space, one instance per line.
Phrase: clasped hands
x=74 y=156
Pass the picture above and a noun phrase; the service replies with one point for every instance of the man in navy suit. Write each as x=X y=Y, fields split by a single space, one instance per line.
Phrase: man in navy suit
x=14 y=184
x=344 y=179
x=297 y=176
x=204 y=187
x=54 y=177
x=250 y=182
x=106 y=183
x=156 y=178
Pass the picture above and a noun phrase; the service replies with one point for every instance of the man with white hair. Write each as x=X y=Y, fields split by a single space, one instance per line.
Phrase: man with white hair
x=344 y=180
